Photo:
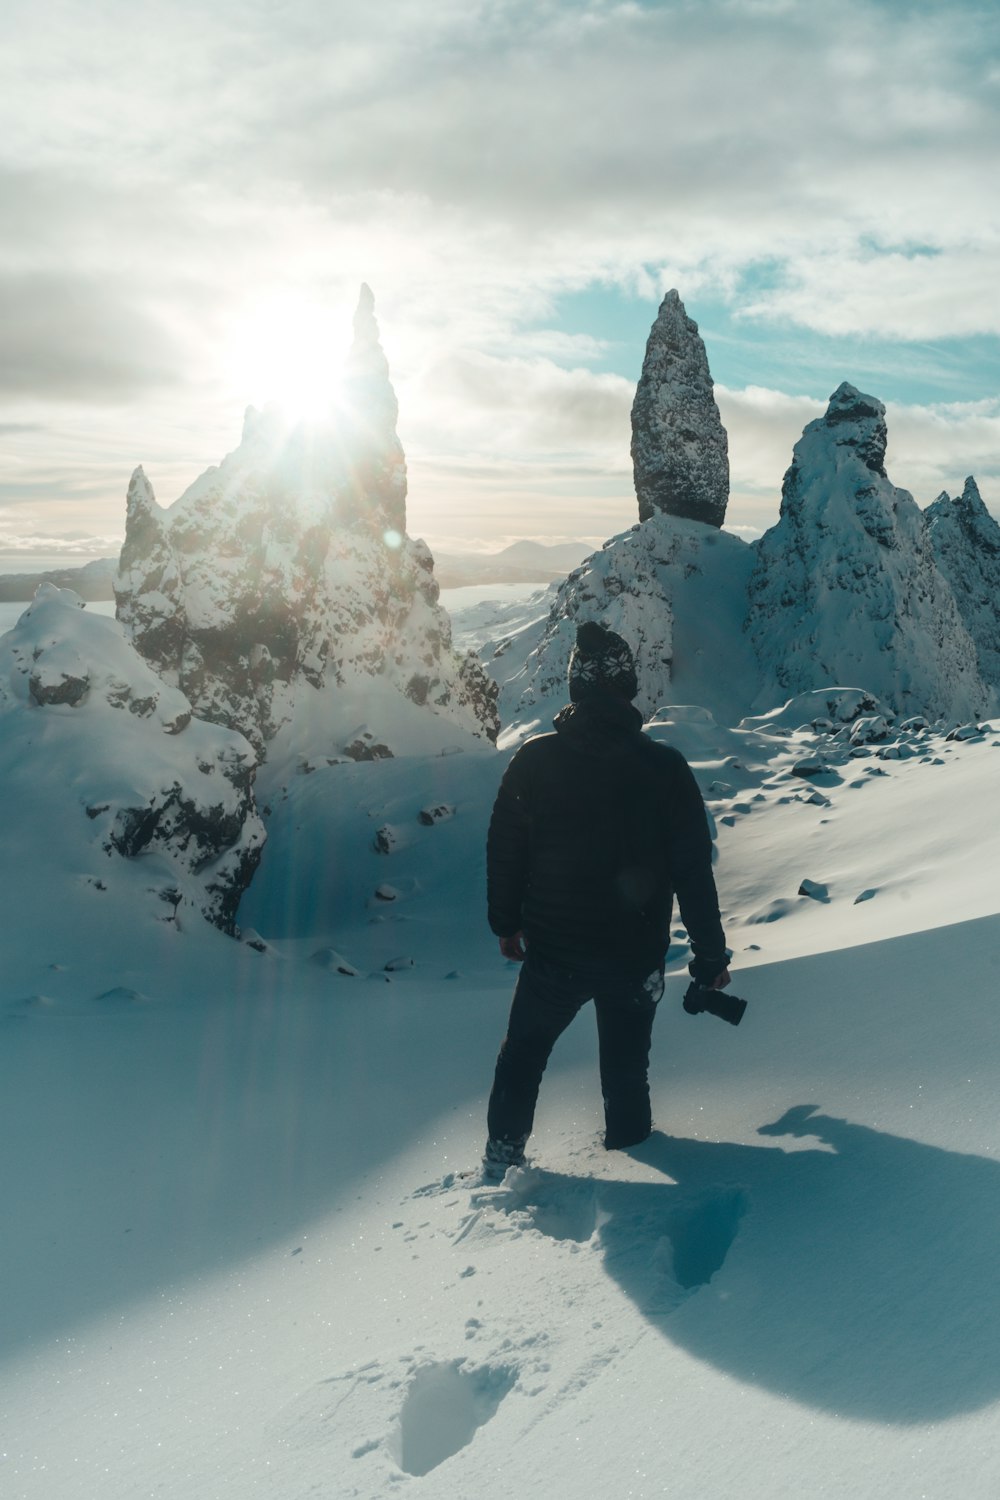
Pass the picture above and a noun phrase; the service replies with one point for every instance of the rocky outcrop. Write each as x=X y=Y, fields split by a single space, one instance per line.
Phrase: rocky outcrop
x=119 y=763
x=281 y=593
x=845 y=588
x=674 y=590
x=680 y=453
x=966 y=543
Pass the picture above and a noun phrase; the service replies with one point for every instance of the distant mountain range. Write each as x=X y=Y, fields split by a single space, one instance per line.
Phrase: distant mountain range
x=521 y=562
x=92 y=581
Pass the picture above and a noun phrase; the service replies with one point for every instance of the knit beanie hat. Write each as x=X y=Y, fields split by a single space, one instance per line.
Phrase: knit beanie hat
x=600 y=660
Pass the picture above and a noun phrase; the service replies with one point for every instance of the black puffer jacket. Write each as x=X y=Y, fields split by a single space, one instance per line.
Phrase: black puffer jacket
x=594 y=829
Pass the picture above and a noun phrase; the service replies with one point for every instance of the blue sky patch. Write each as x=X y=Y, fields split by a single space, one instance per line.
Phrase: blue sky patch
x=782 y=355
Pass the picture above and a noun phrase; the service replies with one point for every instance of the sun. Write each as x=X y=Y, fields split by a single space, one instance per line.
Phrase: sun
x=289 y=350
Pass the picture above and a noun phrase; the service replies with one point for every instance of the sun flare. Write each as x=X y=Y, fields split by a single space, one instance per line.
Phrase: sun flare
x=290 y=351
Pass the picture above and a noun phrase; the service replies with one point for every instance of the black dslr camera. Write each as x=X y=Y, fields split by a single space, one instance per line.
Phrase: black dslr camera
x=727 y=1007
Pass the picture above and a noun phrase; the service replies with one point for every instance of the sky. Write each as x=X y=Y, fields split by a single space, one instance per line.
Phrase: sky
x=192 y=194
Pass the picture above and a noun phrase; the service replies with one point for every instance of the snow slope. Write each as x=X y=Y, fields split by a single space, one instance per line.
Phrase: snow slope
x=674 y=588
x=237 y=1261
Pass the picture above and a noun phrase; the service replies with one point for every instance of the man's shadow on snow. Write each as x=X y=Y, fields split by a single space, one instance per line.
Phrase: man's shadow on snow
x=859 y=1280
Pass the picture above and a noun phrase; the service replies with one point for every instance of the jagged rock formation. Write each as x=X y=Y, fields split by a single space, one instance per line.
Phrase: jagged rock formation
x=845 y=588
x=675 y=590
x=680 y=453
x=966 y=543
x=281 y=591
x=371 y=413
x=89 y=727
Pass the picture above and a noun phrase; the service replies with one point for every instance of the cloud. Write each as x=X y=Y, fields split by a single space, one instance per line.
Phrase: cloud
x=72 y=336
x=514 y=406
x=889 y=293
x=52 y=545
x=934 y=448
x=763 y=427
x=819 y=167
x=544 y=144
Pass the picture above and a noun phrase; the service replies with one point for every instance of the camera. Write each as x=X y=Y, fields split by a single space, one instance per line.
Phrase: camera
x=727 y=1007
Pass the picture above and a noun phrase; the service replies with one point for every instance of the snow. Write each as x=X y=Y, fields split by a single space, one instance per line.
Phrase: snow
x=102 y=760
x=650 y=584
x=239 y=1256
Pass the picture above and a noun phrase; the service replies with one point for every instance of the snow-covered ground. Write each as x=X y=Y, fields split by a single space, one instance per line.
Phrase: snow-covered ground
x=238 y=1258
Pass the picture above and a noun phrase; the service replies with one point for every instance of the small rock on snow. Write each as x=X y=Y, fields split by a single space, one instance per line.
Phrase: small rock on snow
x=329 y=958
x=440 y=813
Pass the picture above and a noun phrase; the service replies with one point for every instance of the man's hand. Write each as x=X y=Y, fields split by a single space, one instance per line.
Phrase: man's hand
x=710 y=973
x=513 y=947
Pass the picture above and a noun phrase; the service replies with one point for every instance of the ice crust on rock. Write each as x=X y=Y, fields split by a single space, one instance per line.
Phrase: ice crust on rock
x=680 y=452
x=845 y=587
x=281 y=587
x=966 y=543
x=89 y=728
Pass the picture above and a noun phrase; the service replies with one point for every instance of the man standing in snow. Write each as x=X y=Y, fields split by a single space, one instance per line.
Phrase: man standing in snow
x=594 y=829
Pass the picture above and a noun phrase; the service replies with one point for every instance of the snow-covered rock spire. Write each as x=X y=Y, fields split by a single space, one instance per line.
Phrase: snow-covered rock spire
x=680 y=452
x=281 y=590
x=371 y=413
x=966 y=543
x=845 y=588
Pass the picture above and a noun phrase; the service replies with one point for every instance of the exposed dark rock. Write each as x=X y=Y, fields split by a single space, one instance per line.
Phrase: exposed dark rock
x=680 y=452
x=365 y=747
x=440 y=813
x=61 y=687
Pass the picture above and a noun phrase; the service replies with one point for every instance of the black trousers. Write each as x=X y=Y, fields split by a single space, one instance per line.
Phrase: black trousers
x=546 y=998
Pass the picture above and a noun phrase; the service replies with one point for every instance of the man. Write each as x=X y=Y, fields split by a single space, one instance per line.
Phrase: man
x=594 y=829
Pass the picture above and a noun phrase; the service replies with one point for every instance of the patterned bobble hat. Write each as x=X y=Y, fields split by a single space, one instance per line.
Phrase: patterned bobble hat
x=600 y=660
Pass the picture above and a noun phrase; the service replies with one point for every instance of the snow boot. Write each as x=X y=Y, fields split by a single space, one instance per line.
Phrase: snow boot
x=500 y=1155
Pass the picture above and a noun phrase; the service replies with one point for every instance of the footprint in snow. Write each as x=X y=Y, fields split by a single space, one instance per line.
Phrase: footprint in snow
x=445 y=1405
